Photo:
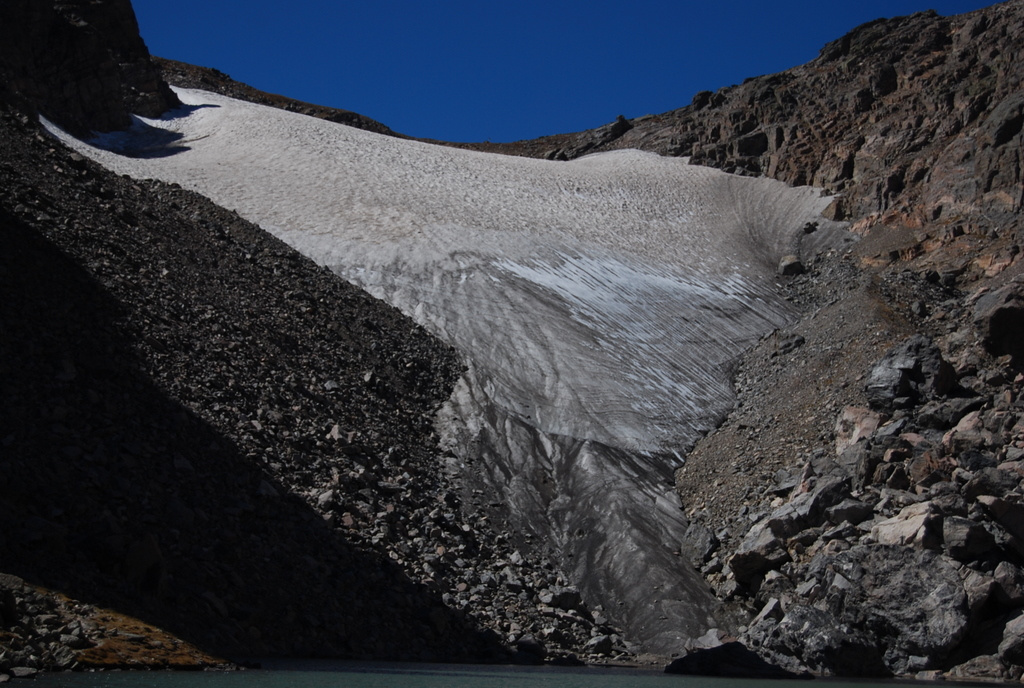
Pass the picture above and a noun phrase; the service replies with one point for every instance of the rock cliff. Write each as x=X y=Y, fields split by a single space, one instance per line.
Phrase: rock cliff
x=80 y=63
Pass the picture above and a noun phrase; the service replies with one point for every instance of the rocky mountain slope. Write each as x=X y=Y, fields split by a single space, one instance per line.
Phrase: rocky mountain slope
x=860 y=510
x=912 y=121
x=817 y=477
x=206 y=431
x=865 y=490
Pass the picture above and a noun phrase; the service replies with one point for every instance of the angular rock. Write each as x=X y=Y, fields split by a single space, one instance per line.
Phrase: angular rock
x=913 y=600
x=822 y=643
x=965 y=540
x=732 y=660
x=910 y=372
x=918 y=525
x=1009 y=580
x=599 y=645
x=980 y=667
x=854 y=424
x=1011 y=648
x=700 y=543
x=999 y=317
x=791 y=265
x=979 y=589
x=1008 y=514
x=990 y=481
x=559 y=597
x=850 y=510
x=761 y=550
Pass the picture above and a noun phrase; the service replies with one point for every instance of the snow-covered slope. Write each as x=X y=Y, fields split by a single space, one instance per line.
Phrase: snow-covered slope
x=599 y=303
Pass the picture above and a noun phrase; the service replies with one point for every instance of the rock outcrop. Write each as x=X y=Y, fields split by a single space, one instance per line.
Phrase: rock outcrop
x=80 y=63
x=914 y=121
x=209 y=79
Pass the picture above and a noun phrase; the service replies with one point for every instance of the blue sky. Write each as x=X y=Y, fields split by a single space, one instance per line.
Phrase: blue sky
x=462 y=70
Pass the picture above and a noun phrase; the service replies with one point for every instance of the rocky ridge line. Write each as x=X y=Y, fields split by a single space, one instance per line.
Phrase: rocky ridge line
x=911 y=122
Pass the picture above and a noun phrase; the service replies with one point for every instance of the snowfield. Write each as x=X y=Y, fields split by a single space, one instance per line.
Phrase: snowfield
x=600 y=305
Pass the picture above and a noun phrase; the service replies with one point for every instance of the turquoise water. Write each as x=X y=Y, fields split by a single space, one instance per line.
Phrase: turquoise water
x=358 y=675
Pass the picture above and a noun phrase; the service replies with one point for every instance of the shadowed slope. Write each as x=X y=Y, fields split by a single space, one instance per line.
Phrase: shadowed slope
x=162 y=378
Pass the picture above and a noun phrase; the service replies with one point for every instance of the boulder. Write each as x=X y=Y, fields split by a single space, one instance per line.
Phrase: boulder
x=979 y=589
x=910 y=372
x=599 y=645
x=999 y=318
x=918 y=525
x=980 y=667
x=854 y=424
x=990 y=481
x=761 y=550
x=559 y=597
x=850 y=510
x=965 y=540
x=700 y=543
x=941 y=414
x=1008 y=514
x=1009 y=580
x=822 y=643
x=790 y=265
x=912 y=600
x=1011 y=648
x=731 y=659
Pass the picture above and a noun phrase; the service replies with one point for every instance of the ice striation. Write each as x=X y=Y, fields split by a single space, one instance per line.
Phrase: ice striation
x=600 y=305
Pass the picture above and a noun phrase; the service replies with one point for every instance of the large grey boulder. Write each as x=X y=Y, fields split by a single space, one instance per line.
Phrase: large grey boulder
x=999 y=317
x=731 y=659
x=816 y=639
x=909 y=373
x=912 y=600
x=964 y=539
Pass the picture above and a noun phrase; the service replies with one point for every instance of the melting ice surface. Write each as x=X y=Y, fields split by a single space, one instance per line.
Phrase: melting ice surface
x=600 y=306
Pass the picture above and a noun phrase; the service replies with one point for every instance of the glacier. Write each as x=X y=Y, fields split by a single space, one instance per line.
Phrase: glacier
x=601 y=306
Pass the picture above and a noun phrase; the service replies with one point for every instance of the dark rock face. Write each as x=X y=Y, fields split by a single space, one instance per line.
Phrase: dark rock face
x=167 y=436
x=80 y=63
x=728 y=659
